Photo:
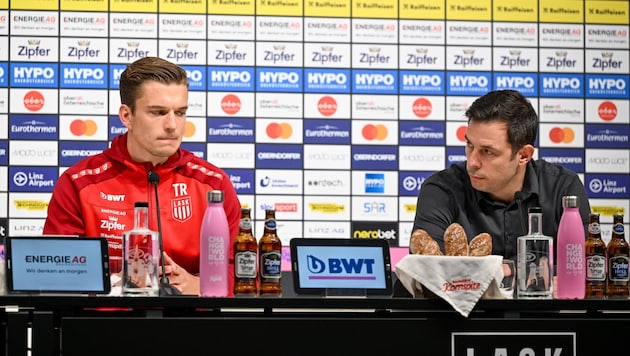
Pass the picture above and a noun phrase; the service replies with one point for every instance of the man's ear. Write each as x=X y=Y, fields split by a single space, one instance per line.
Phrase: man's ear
x=124 y=113
x=525 y=154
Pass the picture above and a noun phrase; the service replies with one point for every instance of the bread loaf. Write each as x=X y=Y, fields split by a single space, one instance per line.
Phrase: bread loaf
x=422 y=243
x=455 y=240
x=480 y=245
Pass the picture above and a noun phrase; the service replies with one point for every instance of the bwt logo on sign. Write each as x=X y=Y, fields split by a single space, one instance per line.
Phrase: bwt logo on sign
x=340 y=268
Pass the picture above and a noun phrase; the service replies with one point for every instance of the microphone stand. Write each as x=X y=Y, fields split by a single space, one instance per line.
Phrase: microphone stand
x=165 y=288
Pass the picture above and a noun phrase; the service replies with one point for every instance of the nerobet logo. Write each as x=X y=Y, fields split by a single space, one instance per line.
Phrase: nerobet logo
x=341 y=268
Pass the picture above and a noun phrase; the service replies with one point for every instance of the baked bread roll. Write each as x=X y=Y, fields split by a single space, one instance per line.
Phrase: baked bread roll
x=480 y=245
x=423 y=244
x=455 y=240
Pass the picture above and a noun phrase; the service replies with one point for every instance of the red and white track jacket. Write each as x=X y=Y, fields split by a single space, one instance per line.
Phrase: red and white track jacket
x=96 y=197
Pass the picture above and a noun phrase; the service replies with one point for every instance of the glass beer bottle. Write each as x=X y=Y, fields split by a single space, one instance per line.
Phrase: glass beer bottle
x=595 y=249
x=618 y=254
x=245 y=257
x=270 y=257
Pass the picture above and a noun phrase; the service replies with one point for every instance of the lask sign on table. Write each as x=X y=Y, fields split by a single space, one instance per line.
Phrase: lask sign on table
x=513 y=344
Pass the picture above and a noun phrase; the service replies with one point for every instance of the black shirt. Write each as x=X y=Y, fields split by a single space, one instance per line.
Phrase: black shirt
x=447 y=196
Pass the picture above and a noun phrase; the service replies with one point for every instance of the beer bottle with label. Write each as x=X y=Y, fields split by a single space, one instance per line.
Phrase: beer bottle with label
x=618 y=254
x=270 y=257
x=595 y=249
x=245 y=257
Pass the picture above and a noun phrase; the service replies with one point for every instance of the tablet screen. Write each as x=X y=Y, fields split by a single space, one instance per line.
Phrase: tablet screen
x=57 y=264
x=321 y=264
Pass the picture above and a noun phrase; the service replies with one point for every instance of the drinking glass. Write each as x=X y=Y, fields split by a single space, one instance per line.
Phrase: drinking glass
x=509 y=279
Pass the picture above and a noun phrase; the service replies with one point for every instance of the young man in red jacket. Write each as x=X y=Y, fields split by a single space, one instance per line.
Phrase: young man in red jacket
x=96 y=196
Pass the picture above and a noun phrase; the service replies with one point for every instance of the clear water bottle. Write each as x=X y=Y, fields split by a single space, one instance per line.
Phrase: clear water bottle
x=571 y=269
x=141 y=255
x=214 y=249
x=534 y=257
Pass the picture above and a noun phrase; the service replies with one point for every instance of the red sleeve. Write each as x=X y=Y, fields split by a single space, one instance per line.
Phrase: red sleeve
x=64 y=210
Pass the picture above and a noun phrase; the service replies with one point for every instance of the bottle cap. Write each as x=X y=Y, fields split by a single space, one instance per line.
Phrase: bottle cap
x=141 y=204
x=215 y=196
x=534 y=210
x=570 y=201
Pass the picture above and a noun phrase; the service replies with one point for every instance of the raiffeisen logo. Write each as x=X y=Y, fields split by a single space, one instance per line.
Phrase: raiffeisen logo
x=279 y=130
x=607 y=111
x=422 y=108
x=561 y=135
x=33 y=101
x=81 y=127
x=231 y=104
x=372 y=132
x=327 y=106
x=344 y=268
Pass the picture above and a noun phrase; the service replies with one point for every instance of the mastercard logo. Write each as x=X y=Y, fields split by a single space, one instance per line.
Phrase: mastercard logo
x=33 y=100
x=282 y=130
x=231 y=104
x=461 y=133
x=189 y=129
x=607 y=111
x=80 y=127
x=422 y=108
x=327 y=106
x=374 y=132
x=561 y=135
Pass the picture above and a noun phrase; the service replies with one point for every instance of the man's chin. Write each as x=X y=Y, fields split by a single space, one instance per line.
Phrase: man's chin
x=477 y=186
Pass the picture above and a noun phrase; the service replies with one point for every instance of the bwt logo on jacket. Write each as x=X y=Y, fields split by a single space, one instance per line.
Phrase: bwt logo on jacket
x=340 y=268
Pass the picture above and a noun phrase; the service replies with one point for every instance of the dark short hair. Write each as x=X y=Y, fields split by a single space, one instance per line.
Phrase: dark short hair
x=511 y=107
x=144 y=70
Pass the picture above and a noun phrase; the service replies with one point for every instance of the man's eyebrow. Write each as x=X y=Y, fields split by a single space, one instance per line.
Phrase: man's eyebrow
x=480 y=146
x=160 y=107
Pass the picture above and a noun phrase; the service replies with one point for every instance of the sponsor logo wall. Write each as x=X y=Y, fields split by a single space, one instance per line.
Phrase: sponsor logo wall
x=331 y=112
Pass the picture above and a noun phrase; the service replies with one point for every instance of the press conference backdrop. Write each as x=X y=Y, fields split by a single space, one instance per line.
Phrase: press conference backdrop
x=333 y=112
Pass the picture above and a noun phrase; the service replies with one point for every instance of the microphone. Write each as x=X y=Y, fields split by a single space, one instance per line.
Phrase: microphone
x=165 y=287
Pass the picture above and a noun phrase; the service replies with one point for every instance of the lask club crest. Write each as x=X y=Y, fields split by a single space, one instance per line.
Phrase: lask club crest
x=181 y=209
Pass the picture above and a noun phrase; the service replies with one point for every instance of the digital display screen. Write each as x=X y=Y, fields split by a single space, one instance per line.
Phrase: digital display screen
x=320 y=264
x=347 y=267
x=57 y=265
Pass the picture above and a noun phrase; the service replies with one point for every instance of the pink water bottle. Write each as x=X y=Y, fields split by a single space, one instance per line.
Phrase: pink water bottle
x=214 y=249
x=571 y=268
